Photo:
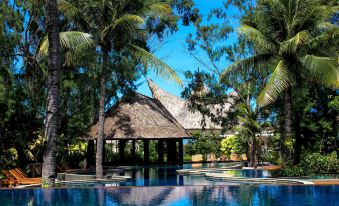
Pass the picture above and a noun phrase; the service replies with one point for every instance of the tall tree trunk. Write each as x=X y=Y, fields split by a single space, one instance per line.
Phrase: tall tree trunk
x=252 y=152
x=53 y=94
x=337 y=134
x=286 y=153
x=100 y=139
x=298 y=140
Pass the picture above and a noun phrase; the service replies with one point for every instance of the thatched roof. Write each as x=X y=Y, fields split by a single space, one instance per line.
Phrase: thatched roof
x=179 y=108
x=139 y=117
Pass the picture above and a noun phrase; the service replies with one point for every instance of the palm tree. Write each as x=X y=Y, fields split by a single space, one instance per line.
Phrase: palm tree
x=53 y=95
x=249 y=126
x=115 y=24
x=297 y=39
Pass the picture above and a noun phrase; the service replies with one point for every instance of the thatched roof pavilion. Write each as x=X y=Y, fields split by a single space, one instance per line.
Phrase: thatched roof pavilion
x=139 y=117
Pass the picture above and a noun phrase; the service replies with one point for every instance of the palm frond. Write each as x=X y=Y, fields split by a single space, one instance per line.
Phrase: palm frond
x=329 y=37
x=246 y=63
x=72 y=12
x=161 y=68
x=257 y=37
x=242 y=120
x=291 y=45
x=128 y=22
x=242 y=129
x=71 y=40
x=161 y=10
x=324 y=70
x=278 y=82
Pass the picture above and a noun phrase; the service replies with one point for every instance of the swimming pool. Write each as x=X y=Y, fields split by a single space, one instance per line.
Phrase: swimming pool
x=175 y=196
x=152 y=176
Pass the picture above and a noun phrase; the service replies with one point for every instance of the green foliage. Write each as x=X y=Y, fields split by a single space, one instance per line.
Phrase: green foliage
x=35 y=147
x=311 y=164
x=232 y=145
x=203 y=144
x=290 y=171
x=318 y=163
x=9 y=159
x=285 y=33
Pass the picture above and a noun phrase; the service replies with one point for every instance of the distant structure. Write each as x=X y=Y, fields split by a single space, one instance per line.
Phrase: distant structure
x=138 y=117
x=179 y=108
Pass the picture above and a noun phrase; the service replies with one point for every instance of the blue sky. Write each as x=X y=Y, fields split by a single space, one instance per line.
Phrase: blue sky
x=176 y=55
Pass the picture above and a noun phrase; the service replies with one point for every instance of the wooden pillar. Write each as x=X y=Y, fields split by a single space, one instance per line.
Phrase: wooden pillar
x=171 y=151
x=122 y=145
x=90 y=154
x=161 y=151
x=133 y=151
x=181 y=151
x=146 y=152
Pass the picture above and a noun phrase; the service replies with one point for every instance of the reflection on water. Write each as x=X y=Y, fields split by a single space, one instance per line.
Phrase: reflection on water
x=165 y=176
x=188 y=195
x=248 y=173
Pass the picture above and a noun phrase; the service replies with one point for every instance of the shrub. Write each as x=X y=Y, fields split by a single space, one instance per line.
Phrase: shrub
x=290 y=171
x=9 y=159
x=318 y=163
x=312 y=163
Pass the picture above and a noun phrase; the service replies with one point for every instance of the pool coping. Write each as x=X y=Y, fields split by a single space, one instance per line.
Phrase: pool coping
x=226 y=177
x=209 y=175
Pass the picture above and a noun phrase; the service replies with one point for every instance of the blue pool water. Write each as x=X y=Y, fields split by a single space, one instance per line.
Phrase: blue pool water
x=160 y=176
x=176 y=196
x=153 y=176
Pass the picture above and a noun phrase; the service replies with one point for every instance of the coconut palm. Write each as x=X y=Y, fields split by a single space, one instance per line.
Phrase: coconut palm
x=116 y=25
x=53 y=94
x=297 y=39
x=249 y=126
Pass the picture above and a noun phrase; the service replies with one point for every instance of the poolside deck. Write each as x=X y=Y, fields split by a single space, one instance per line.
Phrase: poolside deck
x=326 y=182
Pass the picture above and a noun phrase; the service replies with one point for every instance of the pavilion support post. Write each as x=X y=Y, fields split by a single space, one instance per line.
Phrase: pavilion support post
x=181 y=151
x=161 y=151
x=122 y=145
x=133 y=151
x=171 y=151
x=146 y=152
x=90 y=154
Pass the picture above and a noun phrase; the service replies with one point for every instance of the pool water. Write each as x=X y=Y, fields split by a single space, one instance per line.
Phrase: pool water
x=153 y=176
x=176 y=196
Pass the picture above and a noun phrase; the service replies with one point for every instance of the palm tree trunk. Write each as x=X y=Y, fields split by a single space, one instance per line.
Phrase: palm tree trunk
x=53 y=94
x=100 y=139
x=253 y=161
x=298 y=140
x=288 y=125
x=337 y=134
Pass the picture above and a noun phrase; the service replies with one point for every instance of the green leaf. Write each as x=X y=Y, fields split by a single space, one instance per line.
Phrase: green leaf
x=291 y=45
x=244 y=64
x=278 y=82
x=160 y=67
x=324 y=70
x=258 y=38
x=128 y=22
x=75 y=42
x=161 y=10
